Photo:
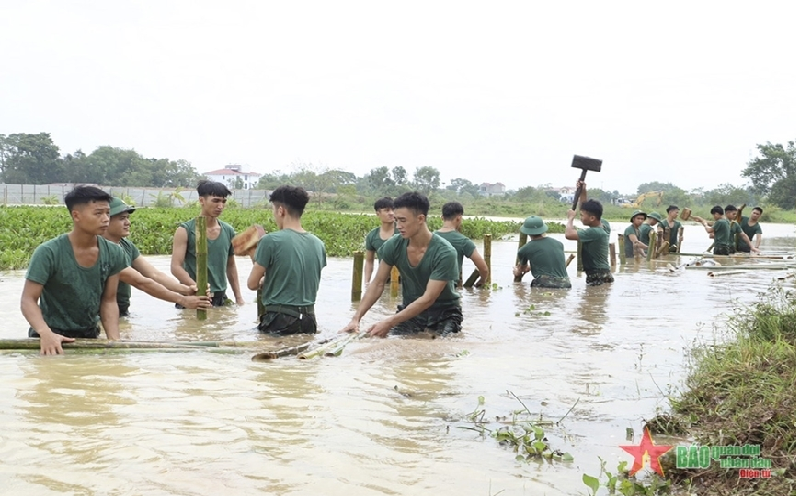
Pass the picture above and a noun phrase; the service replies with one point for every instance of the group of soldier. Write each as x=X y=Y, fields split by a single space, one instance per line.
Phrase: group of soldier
x=84 y=277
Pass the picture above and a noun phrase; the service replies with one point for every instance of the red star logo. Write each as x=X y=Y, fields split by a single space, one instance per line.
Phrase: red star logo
x=646 y=450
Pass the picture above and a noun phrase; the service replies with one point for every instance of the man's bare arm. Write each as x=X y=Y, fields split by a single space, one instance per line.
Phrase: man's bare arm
x=109 y=308
x=50 y=343
x=153 y=288
x=255 y=276
x=370 y=256
x=232 y=277
x=433 y=289
x=147 y=270
x=178 y=248
x=372 y=294
x=480 y=264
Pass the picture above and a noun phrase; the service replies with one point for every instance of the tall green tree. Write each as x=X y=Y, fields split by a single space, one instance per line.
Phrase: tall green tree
x=773 y=171
x=30 y=159
x=379 y=179
x=426 y=179
x=399 y=175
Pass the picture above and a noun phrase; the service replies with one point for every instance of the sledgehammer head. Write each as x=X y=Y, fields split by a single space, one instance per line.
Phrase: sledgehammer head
x=586 y=163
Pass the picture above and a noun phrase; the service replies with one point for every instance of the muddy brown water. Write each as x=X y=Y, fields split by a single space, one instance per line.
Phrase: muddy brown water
x=200 y=423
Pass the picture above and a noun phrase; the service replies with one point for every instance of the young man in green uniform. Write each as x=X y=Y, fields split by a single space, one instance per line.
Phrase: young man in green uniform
x=377 y=237
x=288 y=266
x=751 y=227
x=428 y=270
x=673 y=225
x=220 y=255
x=736 y=233
x=648 y=226
x=633 y=244
x=452 y=215
x=72 y=279
x=542 y=256
x=720 y=230
x=594 y=240
x=139 y=272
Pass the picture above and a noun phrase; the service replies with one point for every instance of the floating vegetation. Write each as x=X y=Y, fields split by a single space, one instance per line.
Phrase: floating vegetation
x=522 y=432
x=625 y=484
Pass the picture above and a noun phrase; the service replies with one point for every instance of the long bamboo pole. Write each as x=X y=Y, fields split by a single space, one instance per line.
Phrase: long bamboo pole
x=395 y=276
x=679 y=240
x=651 y=246
x=612 y=251
x=488 y=257
x=471 y=280
x=620 y=240
x=580 y=256
x=201 y=263
x=356 y=278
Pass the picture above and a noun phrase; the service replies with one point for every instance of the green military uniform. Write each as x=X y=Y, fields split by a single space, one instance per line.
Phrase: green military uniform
x=644 y=233
x=125 y=291
x=735 y=230
x=548 y=264
x=293 y=262
x=674 y=233
x=373 y=240
x=218 y=252
x=463 y=245
x=629 y=248
x=594 y=250
x=71 y=294
x=438 y=264
x=721 y=237
x=750 y=231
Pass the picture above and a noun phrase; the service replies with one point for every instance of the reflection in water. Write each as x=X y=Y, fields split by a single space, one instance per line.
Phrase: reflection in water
x=200 y=423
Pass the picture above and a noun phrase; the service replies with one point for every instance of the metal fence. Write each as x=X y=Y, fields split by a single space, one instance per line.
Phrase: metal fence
x=53 y=194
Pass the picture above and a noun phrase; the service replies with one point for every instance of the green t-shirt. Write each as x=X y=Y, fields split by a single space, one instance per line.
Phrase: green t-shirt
x=293 y=263
x=594 y=246
x=70 y=299
x=218 y=252
x=674 y=230
x=750 y=231
x=438 y=264
x=644 y=233
x=463 y=245
x=721 y=233
x=629 y=252
x=125 y=291
x=546 y=257
x=373 y=240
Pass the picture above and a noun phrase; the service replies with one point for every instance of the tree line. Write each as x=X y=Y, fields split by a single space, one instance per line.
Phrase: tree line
x=35 y=159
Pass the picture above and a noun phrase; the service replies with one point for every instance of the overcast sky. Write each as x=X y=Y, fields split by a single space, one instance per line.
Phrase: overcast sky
x=506 y=92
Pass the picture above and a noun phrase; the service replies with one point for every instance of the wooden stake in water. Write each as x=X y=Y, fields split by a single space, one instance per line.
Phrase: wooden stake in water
x=580 y=256
x=652 y=246
x=620 y=240
x=488 y=257
x=356 y=279
x=471 y=280
x=612 y=250
x=679 y=240
x=523 y=241
x=201 y=263
x=666 y=235
x=395 y=277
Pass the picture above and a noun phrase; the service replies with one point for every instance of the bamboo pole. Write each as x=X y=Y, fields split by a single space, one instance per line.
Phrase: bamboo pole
x=664 y=249
x=356 y=279
x=570 y=259
x=394 y=279
x=679 y=240
x=580 y=256
x=651 y=246
x=620 y=240
x=471 y=280
x=523 y=241
x=666 y=235
x=103 y=344
x=612 y=250
x=201 y=263
x=488 y=257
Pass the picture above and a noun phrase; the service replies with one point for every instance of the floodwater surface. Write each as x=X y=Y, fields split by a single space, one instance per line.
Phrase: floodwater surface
x=385 y=417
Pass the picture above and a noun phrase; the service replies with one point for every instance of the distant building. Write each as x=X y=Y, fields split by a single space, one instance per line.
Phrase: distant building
x=487 y=189
x=229 y=175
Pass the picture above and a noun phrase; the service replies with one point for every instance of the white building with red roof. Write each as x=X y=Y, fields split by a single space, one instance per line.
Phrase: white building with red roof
x=229 y=175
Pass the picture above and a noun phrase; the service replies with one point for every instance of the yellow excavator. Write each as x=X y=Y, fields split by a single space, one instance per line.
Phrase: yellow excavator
x=658 y=195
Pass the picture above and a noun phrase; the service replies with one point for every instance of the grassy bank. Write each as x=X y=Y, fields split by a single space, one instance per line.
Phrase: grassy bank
x=741 y=392
x=24 y=228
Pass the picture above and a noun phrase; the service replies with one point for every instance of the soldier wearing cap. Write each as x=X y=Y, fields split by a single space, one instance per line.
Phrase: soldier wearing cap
x=542 y=256
x=633 y=244
x=139 y=272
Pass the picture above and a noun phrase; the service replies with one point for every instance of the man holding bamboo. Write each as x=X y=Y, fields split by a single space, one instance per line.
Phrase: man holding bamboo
x=452 y=216
x=737 y=234
x=594 y=239
x=72 y=280
x=377 y=237
x=673 y=225
x=220 y=255
x=751 y=227
x=139 y=272
x=428 y=268
x=287 y=265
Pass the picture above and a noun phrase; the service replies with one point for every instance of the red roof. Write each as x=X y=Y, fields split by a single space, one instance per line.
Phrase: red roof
x=230 y=172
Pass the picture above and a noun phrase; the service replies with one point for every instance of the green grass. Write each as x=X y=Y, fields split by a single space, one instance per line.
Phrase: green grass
x=740 y=391
x=24 y=228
